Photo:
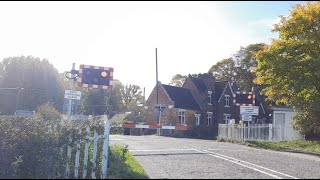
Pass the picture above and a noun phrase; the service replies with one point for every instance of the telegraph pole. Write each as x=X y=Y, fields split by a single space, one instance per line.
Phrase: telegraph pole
x=157 y=76
x=159 y=108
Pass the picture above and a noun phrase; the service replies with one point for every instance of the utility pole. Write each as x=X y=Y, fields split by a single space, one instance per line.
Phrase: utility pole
x=71 y=88
x=159 y=108
x=157 y=75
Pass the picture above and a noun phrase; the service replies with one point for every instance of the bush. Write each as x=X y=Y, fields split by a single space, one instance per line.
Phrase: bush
x=31 y=148
x=48 y=112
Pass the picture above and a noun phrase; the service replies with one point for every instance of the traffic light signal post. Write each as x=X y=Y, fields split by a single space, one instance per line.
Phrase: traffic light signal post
x=71 y=88
x=88 y=77
x=246 y=103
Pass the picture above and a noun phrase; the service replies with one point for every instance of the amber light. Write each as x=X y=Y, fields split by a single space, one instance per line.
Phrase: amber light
x=104 y=74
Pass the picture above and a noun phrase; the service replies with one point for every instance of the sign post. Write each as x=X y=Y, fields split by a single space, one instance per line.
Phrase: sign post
x=71 y=87
x=159 y=110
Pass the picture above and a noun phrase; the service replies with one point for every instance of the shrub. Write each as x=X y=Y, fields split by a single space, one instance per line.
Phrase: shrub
x=31 y=148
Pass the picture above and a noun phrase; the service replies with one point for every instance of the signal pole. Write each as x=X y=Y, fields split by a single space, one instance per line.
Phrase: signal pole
x=71 y=88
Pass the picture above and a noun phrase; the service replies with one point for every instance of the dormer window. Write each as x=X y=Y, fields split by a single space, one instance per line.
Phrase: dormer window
x=210 y=97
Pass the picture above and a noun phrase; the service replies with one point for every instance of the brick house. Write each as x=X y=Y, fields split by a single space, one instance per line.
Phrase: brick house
x=201 y=104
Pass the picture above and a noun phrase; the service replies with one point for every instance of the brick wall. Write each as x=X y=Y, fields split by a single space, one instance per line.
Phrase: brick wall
x=202 y=97
x=232 y=110
x=169 y=116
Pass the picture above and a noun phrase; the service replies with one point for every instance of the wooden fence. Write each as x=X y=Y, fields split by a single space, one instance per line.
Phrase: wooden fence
x=78 y=153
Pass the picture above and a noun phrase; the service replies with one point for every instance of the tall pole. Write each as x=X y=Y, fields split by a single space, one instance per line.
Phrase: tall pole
x=71 y=88
x=157 y=91
x=157 y=75
x=144 y=95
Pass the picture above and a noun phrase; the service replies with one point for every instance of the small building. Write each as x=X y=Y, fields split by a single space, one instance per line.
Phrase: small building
x=283 y=124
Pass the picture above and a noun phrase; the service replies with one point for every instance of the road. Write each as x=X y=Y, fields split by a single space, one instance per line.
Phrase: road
x=182 y=158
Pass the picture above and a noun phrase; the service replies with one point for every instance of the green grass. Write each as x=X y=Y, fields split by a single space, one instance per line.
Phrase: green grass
x=298 y=145
x=122 y=165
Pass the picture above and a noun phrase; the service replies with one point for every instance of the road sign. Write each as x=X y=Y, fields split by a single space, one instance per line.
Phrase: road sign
x=95 y=77
x=159 y=108
x=70 y=94
x=249 y=110
x=246 y=118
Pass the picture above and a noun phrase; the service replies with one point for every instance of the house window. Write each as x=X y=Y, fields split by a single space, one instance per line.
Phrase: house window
x=182 y=117
x=197 y=119
x=227 y=100
x=210 y=97
x=226 y=118
x=209 y=117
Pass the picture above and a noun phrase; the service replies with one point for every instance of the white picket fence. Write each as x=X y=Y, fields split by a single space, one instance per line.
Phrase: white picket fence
x=236 y=132
x=88 y=139
x=264 y=132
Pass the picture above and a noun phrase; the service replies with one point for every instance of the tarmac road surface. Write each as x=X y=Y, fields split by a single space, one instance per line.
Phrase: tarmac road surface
x=183 y=158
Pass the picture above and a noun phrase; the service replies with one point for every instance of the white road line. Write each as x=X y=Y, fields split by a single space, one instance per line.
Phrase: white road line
x=147 y=150
x=255 y=169
x=253 y=165
x=237 y=161
x=225 y=150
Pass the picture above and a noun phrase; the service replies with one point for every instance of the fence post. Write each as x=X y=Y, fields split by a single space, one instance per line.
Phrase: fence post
x=86 y=153
x=68 y=157
x=105 y=148
x=95 y=141
x=270 y=132
x=248 y=130
x=76 y=168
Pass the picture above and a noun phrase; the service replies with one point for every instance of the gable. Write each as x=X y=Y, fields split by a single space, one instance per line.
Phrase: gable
x=182 y=97
x=163 y=97
x=201 y=86
x=221 y=88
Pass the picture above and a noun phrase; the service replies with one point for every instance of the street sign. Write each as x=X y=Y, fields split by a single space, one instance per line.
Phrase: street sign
x=246 y=118
x=159 y=108
x=70 y=94
x=249 y=110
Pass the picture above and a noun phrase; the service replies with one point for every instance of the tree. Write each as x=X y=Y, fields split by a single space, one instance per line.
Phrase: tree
x=113 y=99
x=178 y=79
x=93 y=102
x=289 y=68
x=226 y=70
x=28 y=82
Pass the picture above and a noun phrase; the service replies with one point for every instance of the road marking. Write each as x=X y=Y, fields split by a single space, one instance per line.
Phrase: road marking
x=237 y=161
x=225 y=150
x=254 y=165
x=147 y=150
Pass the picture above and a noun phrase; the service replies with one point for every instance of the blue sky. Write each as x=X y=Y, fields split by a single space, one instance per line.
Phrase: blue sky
x=191 y=36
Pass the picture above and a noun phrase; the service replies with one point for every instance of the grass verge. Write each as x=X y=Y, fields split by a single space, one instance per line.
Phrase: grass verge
x=122 y=165
x=295 y=145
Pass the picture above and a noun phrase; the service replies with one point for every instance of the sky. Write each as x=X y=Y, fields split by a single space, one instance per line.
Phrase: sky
x=190 y=36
